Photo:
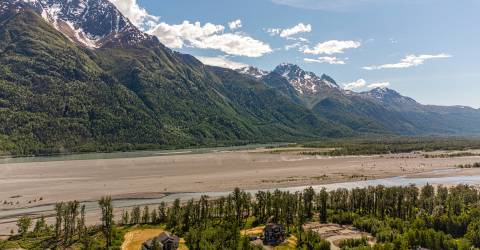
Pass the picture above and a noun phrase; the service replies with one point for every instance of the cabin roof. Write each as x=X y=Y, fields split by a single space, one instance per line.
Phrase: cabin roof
x=165 y=236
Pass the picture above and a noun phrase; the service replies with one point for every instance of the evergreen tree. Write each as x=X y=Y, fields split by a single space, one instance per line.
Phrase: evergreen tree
x=23 y=224
x=323 y=199
x=107 y=219
x=146 y=215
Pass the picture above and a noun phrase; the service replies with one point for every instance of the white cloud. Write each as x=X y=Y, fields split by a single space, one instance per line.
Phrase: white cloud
x=136 y=14
x=378 y=85
x=299 y=28
x=293 y=46
x=326 y=59
x=221 y=61
x=175 y=36
x=274 y=31
x=302 y=39
x=408 y=62
x=360 y=83
x=332 y=47
x=233 y=25
x=235 y=44
x=209 y=36
x=288 y=32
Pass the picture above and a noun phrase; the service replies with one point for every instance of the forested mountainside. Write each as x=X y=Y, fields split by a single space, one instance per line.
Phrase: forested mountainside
x=83 y=78
x=59 y=96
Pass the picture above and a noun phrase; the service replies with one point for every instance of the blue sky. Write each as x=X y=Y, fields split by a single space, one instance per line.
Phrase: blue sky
x=425 y=49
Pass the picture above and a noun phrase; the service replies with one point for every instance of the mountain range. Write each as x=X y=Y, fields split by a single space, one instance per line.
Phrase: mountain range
x=76 y=75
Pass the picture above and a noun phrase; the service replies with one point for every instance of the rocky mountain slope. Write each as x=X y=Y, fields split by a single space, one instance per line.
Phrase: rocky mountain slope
x=380 y=110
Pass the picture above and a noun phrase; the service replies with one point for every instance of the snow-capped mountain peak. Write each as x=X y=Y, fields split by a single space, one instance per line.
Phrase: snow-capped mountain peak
x=303 y=81
x=388 y=96
x=382 y=93
x=91 y=23
x=253 y=72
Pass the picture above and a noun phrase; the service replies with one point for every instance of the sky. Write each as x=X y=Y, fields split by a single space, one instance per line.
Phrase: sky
x=425 y=49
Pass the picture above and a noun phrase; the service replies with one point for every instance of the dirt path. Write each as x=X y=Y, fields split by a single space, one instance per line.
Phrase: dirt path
x=134 y=239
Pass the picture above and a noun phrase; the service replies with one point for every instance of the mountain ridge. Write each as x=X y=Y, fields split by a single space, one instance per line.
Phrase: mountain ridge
x=59 y=95
x=90 y=23
x=71 y=98
x=386 y=108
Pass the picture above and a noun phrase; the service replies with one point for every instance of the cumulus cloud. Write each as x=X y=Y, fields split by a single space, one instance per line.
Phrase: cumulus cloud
x=299 y=28
x=274 y=31
x=234 y=44
x=408 y=62
x=175 y=36
x=136 y=14
x=361 y=83
x=233 y=25
x=288 y=32
x=325 y=59
x=221 y=61
x=378 y=85
x=293 y=46
x=332 y=47
x=209 y=36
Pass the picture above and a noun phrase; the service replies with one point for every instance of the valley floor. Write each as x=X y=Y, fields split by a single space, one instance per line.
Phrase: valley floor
x=36 y=184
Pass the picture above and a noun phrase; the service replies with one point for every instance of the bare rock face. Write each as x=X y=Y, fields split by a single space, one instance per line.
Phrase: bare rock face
x=305 y=82
x=253 y=72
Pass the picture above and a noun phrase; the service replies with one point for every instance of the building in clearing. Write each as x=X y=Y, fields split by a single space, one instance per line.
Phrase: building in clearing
x=273 y=234
x=165 y=241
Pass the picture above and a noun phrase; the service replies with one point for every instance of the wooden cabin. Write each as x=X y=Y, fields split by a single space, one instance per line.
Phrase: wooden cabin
x=165 y=241
x=273 y=234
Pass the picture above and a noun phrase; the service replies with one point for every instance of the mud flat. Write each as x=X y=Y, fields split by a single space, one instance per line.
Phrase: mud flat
x=145 y=180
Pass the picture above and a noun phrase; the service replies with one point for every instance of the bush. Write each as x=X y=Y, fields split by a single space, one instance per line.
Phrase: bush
x=349 y=243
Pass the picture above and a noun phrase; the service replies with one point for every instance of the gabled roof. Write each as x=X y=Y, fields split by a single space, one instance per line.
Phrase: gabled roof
x=165 y=236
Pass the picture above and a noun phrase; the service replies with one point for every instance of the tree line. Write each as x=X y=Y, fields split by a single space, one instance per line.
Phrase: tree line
x=398 y=217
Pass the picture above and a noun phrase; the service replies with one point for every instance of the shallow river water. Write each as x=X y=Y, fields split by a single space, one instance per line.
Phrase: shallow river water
x=91 y=206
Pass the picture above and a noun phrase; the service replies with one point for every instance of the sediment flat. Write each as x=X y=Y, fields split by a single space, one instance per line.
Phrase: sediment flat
x=35 y=183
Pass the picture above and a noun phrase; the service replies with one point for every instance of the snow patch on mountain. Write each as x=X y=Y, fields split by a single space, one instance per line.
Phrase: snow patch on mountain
x=305 y=82
x=87 y=22
x=253 y=72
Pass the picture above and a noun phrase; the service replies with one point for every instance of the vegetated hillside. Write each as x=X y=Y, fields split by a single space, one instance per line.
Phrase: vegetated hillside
x=57 y=96
x=67 y=85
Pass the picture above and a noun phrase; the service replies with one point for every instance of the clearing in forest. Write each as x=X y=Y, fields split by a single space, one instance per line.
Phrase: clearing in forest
x=335 y=233
x=135 y=238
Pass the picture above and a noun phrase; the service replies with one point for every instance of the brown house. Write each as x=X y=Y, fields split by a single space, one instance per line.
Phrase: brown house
x=165 y=241
x=273 y=234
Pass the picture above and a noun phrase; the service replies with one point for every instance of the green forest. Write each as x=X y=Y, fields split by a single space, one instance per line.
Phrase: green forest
x=409 y=217
x=57 y=97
